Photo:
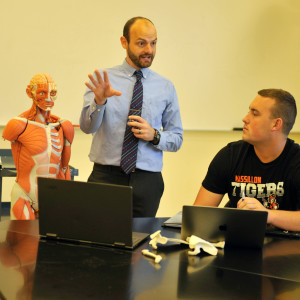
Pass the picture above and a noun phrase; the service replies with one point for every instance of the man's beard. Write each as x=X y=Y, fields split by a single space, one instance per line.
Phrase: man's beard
x=137 y=59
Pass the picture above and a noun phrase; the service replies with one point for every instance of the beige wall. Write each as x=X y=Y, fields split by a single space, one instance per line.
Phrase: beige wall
x=183 y=171
x=217 y=53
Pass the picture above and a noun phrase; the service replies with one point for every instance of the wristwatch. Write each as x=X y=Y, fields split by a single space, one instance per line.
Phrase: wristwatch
x=156 y=139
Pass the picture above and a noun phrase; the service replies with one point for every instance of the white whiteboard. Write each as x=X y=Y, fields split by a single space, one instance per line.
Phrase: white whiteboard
x=218 y=53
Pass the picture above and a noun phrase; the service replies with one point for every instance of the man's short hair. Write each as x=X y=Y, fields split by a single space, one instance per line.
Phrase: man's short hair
x=284 y=108
x=129 y=23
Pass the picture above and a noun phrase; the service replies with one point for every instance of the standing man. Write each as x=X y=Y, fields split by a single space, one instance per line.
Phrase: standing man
x=261 y=172
x=134 y=124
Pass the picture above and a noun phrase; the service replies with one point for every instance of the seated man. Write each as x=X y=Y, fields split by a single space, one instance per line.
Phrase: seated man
x=262 y=171
x=40 y=144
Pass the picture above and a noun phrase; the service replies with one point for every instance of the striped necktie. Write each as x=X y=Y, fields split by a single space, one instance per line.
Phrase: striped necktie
x=130 y=144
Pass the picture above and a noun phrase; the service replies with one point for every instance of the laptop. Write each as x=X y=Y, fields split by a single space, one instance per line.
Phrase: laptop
x=83 y=212
x=174 y=222
x=278 y=232
x=237 y=227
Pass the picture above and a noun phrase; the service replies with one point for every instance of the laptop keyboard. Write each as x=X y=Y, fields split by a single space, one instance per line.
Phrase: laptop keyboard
x=137 y=237
x=282 y=233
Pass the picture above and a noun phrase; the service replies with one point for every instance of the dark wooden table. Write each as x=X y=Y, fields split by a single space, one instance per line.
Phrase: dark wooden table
x=34 y=269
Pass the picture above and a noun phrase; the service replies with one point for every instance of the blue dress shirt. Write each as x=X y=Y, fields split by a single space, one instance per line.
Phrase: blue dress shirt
x=107 y=122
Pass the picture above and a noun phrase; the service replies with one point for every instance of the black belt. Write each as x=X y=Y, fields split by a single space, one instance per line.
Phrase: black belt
x=109 y=168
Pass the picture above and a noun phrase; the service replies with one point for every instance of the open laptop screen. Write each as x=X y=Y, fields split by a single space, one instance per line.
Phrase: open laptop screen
x=86 y=212
x=237 y=227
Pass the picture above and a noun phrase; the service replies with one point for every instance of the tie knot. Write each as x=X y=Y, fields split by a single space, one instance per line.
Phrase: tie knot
x=138 y=75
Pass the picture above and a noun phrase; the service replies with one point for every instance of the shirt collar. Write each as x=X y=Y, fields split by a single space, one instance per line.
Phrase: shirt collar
x=129 y=70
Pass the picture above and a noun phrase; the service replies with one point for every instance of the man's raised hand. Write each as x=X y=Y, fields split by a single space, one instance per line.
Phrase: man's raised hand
x=101 y=87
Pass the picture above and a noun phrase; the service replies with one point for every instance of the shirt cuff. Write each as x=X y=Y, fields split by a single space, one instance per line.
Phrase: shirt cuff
x=97 y=107
x=162 y=142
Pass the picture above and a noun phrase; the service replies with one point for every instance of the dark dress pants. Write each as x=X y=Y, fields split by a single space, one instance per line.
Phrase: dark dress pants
x=148 y=187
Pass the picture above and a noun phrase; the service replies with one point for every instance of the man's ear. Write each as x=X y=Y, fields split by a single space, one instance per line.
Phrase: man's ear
x=277 y=124
x=124 y=42
x=29 y=92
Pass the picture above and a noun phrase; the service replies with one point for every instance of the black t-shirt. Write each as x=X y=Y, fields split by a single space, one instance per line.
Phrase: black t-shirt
x=237 y=169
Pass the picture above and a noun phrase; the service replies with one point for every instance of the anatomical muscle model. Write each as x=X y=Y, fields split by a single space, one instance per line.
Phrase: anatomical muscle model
x=41 y=146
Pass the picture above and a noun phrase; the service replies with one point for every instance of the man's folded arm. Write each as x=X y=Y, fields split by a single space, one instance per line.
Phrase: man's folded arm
x=288 y=220
x=207 y=198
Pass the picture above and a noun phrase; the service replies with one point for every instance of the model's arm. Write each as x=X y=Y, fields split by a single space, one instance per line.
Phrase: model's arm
x=207 y=198
x=68 y=129
x=14 y=128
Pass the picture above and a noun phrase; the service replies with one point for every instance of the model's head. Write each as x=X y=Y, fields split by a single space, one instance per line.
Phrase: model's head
x=139 y=39
x=284 y=107
x=42 y=90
